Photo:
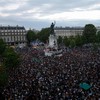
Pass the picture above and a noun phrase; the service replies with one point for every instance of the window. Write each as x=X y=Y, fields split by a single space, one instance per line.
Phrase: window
x=8 y=39
x=2 y=33
x=15 y=33
x=8 y=30
x=18 y=33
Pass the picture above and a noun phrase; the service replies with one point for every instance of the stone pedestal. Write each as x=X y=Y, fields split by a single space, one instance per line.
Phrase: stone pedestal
x=53 y=42
x=52 y=48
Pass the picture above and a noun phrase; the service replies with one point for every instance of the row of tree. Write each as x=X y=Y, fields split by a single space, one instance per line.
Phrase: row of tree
x=8 y=59
x=43 y=35
x=89 y=36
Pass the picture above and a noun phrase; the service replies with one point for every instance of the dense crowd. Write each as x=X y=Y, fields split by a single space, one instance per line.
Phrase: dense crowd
x=55 y=78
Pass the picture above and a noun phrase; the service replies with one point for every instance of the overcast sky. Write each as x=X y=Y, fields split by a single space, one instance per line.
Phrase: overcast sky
x=39 y=14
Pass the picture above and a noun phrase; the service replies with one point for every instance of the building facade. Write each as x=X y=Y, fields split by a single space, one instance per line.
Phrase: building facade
x=13 y=35
x=70 y=31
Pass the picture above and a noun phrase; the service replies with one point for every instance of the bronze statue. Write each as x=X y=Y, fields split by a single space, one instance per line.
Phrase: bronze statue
x=52 y=28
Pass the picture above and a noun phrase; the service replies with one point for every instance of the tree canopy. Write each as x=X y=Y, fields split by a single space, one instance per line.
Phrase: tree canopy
x=66 y=41
x=59 y=40
x=3 y=76
x=8 y=59
x=89 y=32
x=11 y=58
x=78 y=40
x=2 y=46
x=31 y=36
x=98 y=37
x=43 y=35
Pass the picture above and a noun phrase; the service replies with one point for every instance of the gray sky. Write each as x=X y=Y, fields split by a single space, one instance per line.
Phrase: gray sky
x=38 y=14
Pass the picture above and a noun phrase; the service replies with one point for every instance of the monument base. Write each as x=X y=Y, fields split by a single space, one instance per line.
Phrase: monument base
x=53 y=53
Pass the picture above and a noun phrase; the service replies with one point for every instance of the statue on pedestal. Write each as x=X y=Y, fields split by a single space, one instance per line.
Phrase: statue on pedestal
x=52 y=48
x=52 y=28
x=52 y=37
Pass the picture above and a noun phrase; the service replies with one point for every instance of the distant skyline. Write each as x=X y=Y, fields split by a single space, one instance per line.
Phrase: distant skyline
x=37 y=14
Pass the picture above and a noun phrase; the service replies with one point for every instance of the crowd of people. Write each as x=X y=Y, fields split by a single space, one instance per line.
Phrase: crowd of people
x=55 y=78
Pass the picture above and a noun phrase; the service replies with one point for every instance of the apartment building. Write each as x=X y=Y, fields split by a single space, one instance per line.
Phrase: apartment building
x=70 y=31
x=13 y=35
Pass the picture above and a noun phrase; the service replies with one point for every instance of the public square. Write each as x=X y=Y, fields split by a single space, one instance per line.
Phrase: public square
x=41 y=77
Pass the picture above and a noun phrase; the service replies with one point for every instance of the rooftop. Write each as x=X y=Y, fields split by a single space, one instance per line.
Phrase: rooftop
x=12 y=27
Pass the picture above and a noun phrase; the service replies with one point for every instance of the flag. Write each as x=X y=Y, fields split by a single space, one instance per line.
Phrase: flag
x=85 y=86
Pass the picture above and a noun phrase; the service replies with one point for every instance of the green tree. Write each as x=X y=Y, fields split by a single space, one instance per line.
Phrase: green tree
x=78 y=40
x=89 y=32
x=66 y=41
x=3 y=73
x=3 y=76
x=59 y=40
x=98 y=37
x=11 y=58
x=72 y=41
x=43 y=35
x=84 y=41
x=31 y=36
x=2 y=46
